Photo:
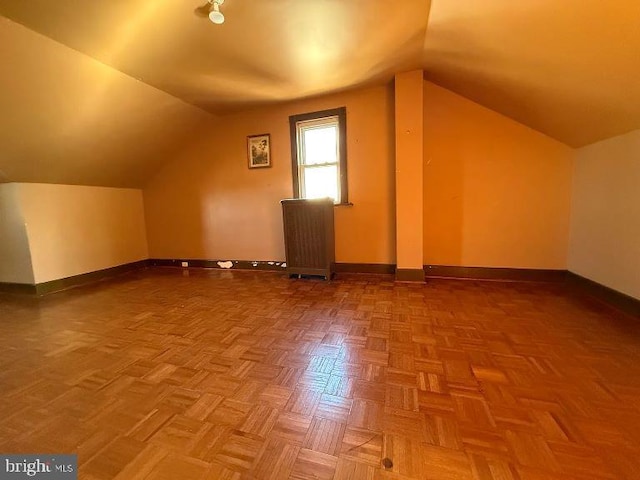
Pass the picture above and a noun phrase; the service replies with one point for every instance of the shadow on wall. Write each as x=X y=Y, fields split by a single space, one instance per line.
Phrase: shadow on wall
x=15 y=256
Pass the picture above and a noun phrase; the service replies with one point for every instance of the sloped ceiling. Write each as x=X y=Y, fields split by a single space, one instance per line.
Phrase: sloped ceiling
x=270 y=50
x=84 y=98
x=568 y=68
x=91 y=92
x=67 y=118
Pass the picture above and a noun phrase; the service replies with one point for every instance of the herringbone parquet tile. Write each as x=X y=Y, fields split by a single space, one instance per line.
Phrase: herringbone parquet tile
x=170 y=374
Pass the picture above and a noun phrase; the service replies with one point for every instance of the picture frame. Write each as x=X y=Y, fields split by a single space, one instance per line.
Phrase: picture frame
x=259 y=150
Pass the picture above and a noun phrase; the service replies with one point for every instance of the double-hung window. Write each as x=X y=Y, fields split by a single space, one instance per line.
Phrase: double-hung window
x=319 y=155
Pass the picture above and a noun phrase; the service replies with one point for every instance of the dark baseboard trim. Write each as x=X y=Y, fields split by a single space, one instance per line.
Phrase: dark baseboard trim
x=377 y=268
x=235 y=264
x=490 y=273
x=85 y=278
x=607 y=295
x=53 y=286
x=410 y=275
x=574 y=281
x=18 y=288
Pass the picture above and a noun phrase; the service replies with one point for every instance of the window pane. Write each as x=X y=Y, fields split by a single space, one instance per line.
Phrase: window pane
x=320 y=145
x=321 y=182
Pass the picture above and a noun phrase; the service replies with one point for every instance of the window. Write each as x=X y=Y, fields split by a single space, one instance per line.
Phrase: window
x=319 y=154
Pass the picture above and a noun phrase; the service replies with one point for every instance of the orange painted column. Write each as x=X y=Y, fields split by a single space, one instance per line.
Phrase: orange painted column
x=409 y=133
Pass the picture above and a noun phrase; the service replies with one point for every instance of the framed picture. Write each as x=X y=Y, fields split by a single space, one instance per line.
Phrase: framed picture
x=259 y=150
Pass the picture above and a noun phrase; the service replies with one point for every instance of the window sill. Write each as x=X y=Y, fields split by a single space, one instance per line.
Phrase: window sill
x=348 y=204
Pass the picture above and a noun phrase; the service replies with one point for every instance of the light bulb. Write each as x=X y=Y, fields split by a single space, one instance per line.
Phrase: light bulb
x=216 y=15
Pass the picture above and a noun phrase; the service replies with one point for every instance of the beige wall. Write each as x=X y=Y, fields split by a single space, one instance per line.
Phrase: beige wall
x=207 y=204
x=77 y=229
x=605 y=219
x=15 y=258
x=496 y=193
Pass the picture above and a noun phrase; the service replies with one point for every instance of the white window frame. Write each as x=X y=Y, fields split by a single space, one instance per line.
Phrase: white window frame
x=299 y=123
x=303 y=167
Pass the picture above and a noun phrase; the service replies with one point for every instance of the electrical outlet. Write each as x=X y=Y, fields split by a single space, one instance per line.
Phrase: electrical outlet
x=185 y=264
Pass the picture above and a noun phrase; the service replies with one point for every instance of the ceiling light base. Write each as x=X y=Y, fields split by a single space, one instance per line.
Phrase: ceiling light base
x=215 y=15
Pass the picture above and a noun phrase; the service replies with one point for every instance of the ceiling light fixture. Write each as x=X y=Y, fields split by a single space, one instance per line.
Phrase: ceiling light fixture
x=215 y=15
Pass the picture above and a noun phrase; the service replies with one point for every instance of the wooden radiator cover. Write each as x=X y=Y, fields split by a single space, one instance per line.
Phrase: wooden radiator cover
x=309 y=236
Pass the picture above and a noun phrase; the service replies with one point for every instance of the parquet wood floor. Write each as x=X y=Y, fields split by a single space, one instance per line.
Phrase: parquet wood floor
x=165 y=374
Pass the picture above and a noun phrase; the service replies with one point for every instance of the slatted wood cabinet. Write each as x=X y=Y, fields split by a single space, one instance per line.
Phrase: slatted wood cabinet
x=309 y=236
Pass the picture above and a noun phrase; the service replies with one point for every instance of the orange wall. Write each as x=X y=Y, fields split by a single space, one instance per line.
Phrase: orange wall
x=496 y=193
x=207 y=204
x=409 y=131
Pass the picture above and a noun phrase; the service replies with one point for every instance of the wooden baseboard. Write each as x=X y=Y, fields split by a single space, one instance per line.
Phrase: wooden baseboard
x=73 y=281
x=410 y=275
x=584 y=286
x=85 y=278
x=219 y=264
x=576 y=282
x=433 y=271
x=490 y=273
x=18 y=288
x=375 y=268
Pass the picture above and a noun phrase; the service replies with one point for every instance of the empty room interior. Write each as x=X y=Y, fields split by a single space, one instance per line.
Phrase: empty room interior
x=320 y=239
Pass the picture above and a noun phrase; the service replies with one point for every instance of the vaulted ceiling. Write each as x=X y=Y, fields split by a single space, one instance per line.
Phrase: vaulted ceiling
x=265 y=51
x=568 y=68
x=124 y=83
